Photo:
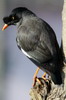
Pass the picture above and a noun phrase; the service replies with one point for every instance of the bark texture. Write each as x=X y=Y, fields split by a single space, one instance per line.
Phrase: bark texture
x=50 y=91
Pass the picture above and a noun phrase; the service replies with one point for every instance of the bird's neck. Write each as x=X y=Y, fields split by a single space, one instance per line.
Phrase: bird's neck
x=25 y=18
x=19 y=24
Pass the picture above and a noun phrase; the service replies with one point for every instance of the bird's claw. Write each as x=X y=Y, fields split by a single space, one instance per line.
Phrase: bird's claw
x=36 y=79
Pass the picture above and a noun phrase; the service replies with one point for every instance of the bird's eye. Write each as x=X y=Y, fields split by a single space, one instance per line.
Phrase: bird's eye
x=13 y=18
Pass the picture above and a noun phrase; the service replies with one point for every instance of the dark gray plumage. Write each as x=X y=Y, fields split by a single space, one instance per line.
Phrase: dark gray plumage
x=38 y=41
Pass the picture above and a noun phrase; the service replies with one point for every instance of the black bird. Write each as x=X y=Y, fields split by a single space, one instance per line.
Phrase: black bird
x=38 y=42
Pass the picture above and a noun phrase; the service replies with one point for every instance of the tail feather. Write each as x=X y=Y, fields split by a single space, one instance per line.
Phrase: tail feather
x=56 y=78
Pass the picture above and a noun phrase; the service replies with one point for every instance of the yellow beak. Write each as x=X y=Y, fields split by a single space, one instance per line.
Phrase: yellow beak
x=4 y=27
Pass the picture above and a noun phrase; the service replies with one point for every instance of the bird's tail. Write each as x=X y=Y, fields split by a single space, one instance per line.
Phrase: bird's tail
x=62 y=56
x=56 y=78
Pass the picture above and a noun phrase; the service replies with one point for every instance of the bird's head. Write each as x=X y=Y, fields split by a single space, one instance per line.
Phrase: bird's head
x=14 y=17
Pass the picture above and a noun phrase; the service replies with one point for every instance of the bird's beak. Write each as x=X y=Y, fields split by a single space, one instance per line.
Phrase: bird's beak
x=4 y=27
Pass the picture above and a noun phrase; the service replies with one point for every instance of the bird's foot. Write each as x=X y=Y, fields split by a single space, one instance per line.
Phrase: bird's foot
x=36 y=79
x=44 y=78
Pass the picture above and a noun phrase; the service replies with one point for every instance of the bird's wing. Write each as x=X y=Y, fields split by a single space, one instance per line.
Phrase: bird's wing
x=41 y=54
x=46 y=47
x=38 y=40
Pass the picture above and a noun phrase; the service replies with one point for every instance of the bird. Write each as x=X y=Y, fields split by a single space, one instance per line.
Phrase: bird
x=38 y=41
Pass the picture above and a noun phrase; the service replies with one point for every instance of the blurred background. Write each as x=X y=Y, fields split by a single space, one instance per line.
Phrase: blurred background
x=16 y=71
